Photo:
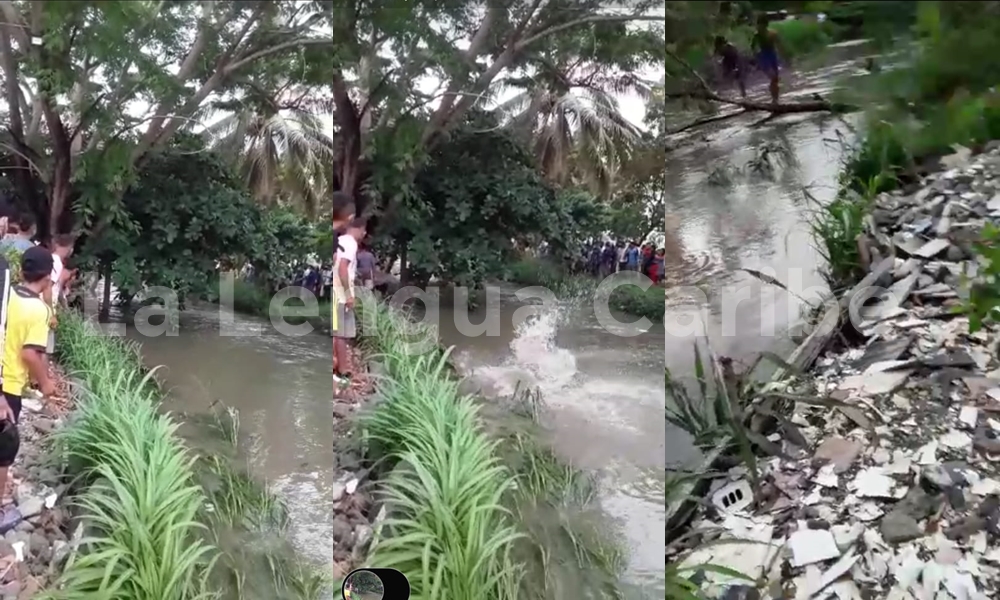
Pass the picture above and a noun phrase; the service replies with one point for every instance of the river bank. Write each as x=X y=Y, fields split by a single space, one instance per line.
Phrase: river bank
x=463 y=481
x=879 y=477
x=628 y=299
x=197 y=522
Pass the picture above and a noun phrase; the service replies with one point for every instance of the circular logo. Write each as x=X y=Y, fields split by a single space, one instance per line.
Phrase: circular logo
x=363 y=585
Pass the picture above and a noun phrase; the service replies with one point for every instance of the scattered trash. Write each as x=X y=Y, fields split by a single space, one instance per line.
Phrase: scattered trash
x=891 y=491
x=733 y=497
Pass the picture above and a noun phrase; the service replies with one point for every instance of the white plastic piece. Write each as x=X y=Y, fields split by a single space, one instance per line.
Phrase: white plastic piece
x=733 y=496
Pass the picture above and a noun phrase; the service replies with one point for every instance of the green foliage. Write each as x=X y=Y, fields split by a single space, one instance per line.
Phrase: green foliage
x=139 y=49
x=447 y=527
x=801 y=37
x=837 y=225
x=152 y=531
x=478 y=197
x=984 y=293
x=185 y=216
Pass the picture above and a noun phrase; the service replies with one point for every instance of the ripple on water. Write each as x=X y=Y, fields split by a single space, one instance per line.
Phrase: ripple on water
x=693 y=268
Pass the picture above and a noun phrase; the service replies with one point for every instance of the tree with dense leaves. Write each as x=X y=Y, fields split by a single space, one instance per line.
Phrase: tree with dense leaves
x=187 y=213
x=94 y=89
x=465 y=47
x=478 y=200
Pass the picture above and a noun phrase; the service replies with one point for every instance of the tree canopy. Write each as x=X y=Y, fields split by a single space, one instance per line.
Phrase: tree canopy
x=297 y=99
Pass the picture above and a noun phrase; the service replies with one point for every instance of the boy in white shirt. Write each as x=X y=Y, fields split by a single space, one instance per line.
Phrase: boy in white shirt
x=345 y=270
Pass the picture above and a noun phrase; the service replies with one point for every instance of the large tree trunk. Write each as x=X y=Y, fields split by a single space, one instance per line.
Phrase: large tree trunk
x=349 y=125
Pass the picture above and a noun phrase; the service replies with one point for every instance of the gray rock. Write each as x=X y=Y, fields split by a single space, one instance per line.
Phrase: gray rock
x=898 y=527
x=31 y=507
x=362 y=535
x=44 y=425
x=338 y=491
x=937 y=477
x=60 y=551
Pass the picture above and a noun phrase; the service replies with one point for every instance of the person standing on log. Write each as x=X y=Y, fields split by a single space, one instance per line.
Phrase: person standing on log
x=766 y=43
x=733 y=68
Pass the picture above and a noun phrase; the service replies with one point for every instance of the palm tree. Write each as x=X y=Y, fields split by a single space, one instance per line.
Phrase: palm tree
x=280 y=149
x=574 y=122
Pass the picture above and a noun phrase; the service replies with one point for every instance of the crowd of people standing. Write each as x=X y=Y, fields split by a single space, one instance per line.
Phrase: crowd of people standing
x=30 y=297
x=602 y=260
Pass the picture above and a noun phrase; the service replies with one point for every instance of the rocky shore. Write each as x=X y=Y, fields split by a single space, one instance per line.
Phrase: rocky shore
x=887 y=485
x=37 y=542
x=353 y=504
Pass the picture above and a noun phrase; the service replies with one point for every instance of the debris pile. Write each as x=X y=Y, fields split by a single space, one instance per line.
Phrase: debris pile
x=891 y=489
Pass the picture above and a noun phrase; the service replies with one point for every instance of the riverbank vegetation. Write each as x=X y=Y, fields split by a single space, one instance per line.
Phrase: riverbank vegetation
x=163 y=521
x=249 y=297
x=629 y=299
x=476 y=505
x=936 y=98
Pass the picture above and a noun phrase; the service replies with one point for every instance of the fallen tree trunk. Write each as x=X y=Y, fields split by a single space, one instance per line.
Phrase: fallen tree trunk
x=816 y=105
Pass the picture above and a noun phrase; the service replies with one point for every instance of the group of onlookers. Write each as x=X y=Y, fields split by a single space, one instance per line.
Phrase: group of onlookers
x=602 y=260
x=30 y=297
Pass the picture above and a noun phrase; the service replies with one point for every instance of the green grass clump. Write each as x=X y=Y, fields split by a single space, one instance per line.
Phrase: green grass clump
x=156 y=529
x=475 y=511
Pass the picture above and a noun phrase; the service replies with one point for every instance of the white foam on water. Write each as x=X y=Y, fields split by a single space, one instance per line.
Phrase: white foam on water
x=535 y=360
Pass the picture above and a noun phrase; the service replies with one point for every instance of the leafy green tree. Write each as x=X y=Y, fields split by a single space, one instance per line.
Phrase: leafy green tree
x=95 y=89
x=186 y=216
x=477 y=201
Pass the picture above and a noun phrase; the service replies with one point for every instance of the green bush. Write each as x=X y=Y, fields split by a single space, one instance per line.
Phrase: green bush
x=801 y=37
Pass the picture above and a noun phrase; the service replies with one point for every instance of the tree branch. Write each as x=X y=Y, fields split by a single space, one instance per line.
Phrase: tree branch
x=818 y=105
x=581 y=21
x=273 y=50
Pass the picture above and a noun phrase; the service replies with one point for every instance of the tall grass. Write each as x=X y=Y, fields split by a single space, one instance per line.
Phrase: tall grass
x=143 y=540
x=448 y=529
x=154 y=530
x=475 y=511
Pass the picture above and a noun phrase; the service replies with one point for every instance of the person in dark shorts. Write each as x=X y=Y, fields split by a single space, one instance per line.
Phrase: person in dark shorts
x=765 y=43
x=27 y=332
x=732 y=63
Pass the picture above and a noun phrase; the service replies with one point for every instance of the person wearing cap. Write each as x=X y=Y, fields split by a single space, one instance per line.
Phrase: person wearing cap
x=24 y=356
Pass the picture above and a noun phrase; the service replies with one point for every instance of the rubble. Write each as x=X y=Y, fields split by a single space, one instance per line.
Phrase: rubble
x=893 y=490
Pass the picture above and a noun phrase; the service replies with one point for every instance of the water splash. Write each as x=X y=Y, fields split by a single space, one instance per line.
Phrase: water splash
x=535 y=360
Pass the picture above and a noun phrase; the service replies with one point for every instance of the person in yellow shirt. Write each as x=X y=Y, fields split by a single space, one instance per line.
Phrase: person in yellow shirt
x=25 y=340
